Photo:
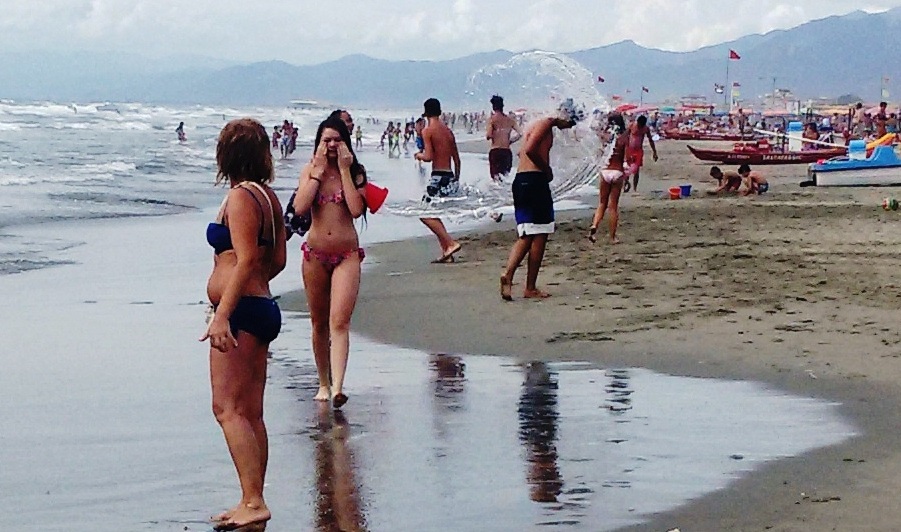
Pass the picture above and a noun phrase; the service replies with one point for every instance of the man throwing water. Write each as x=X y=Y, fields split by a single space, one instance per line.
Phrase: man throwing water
x=440 y=148
x=532 y=200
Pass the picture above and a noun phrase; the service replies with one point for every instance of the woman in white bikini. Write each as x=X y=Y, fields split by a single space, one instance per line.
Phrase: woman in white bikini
x=611 y=182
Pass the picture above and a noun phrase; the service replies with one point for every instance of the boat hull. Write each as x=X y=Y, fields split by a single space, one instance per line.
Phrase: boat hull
x=864 y=177
x=764 y=158
x=696 y=136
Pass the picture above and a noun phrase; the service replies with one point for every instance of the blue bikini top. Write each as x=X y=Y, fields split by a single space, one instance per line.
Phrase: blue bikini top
x=218 y=235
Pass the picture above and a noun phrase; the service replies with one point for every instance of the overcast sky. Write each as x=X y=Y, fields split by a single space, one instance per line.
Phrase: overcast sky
x=306 y=31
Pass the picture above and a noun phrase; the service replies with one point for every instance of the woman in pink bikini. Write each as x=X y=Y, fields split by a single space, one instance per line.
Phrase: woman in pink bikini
x=330 y=189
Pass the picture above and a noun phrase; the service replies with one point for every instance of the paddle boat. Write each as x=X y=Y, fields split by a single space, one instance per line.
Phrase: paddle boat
x=881 y=168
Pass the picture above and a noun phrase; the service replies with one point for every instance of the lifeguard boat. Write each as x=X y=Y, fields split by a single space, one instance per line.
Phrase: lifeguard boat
x=764 y=152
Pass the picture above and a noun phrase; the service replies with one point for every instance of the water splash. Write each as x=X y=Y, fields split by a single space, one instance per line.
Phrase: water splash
x=533 y=85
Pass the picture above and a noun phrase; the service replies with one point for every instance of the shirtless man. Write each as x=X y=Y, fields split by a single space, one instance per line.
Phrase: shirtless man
x=500 y=133
x=440 y=148
x=754 y=181
x=635 y=149
x=532 y=201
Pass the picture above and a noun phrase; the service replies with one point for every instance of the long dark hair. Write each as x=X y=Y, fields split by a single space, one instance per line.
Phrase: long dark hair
x=616 y=119
x=356 y=169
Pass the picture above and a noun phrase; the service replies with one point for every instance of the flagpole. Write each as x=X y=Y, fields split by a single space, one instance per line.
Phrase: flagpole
x=641 y=97
x=726 y=87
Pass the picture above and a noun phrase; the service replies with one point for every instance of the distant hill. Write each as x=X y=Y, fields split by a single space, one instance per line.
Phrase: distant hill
x=828 y=57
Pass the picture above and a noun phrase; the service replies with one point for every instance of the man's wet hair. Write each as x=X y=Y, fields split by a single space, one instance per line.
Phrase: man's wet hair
x=642 y=120
x=432 y=107
x=744 y=168
x=497 y=103
x=715 y=171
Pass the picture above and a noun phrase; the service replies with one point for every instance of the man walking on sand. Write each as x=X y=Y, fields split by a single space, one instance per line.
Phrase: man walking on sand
x=500 y=133
x=532 y=201
x=635 y=148
x=440 y=148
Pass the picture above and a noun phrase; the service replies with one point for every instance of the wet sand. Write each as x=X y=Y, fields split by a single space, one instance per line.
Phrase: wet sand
x=798 y=289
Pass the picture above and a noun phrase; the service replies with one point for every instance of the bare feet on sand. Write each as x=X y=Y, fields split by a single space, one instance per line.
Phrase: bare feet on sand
x=535 y=294
x=324 y=394
x=245 y=515
x=506 y=288
x=339 y=400
x=226 y=515
x=615 y=241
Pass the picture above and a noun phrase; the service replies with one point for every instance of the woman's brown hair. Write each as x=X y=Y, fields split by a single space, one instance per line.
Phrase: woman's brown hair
x=242 y=152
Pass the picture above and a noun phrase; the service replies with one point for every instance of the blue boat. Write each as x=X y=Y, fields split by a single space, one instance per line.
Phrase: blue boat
x=882 y=168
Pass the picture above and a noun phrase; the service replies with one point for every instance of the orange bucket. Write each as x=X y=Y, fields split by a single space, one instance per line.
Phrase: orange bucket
x=675 y=193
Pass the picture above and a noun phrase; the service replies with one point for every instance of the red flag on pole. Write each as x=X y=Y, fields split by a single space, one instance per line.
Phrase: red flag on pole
x=734 y=55
x=644 y=89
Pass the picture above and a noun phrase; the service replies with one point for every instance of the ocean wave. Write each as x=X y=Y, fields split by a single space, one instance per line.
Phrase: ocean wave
x=9 y=161
x=113 y=167
x=20 y=180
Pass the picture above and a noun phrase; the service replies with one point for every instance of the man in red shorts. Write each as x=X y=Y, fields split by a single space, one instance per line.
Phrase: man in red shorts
x=635 y=149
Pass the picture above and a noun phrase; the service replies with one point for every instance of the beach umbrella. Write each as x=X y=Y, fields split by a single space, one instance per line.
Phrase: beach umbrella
x=625 y=107
x=668 y=109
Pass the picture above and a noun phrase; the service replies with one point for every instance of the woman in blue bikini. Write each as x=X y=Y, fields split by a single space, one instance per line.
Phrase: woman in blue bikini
x=249 y=250
x=330 y=188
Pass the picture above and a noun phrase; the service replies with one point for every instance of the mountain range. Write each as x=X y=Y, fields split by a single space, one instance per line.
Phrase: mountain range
x=822 y=58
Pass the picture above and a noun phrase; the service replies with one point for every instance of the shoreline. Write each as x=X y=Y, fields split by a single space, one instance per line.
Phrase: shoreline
x=795 y=290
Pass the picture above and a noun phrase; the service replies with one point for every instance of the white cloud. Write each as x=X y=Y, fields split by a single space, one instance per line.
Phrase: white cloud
x=312 y=32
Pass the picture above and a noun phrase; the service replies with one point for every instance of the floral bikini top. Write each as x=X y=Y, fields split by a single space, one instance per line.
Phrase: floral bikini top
x=337 y=197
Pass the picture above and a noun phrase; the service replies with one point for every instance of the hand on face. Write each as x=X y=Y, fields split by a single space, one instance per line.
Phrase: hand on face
x=320 y=157
x=345 y=158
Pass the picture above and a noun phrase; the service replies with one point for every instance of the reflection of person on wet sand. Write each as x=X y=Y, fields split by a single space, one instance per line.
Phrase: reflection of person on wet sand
x=538 y=432
x=449 y=376
x=533 y=203
x=338 y=506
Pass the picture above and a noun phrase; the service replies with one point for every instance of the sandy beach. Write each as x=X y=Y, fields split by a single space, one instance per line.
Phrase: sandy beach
x=797 y=289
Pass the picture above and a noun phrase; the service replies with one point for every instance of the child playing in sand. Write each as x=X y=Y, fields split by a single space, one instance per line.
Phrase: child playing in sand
x=754 y=181
x=728 y=181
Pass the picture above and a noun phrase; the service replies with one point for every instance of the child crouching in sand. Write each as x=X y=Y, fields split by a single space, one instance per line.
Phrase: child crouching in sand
x=754 y=181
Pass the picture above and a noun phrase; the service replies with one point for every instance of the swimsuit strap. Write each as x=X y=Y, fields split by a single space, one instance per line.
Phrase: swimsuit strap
x=268 y=202
x=221 y=216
